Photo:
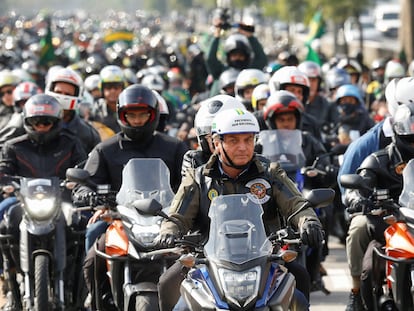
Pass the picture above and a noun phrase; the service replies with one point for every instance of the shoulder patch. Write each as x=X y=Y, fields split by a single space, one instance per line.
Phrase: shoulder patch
x=258 y=189
x=212 y=193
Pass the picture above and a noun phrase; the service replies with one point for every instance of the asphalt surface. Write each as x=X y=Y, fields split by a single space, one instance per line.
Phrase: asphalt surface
x=338 y=280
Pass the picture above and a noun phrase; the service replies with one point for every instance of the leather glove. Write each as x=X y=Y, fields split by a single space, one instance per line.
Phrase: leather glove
x=165 y=240
x=312 y=233
x=85 y=199
x=359 y=206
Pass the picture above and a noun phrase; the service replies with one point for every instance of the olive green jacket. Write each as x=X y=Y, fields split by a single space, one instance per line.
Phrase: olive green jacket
x=277 y=193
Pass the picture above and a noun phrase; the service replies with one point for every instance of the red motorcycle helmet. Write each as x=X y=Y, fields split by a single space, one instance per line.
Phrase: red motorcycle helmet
x=281 y=102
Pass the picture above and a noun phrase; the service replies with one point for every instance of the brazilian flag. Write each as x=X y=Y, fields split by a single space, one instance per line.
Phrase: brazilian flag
x=47 y=50
x=316 y=30
x=316 y=26
x=312 y=55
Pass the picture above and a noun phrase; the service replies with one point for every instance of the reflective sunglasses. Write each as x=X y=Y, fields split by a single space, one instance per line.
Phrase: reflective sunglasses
x=36 y=121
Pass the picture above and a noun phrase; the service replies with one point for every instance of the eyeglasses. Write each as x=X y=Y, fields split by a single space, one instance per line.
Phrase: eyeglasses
x=10 y=91
x=137 y=116
x=36 y=121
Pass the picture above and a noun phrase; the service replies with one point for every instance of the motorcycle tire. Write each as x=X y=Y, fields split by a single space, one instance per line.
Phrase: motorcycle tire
x=147 y=302
x=42 y=283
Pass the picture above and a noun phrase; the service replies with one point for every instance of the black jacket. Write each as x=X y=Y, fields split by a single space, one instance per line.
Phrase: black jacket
x=86 y=133
x=24 y=157
x=382 y=170
x=107 y=160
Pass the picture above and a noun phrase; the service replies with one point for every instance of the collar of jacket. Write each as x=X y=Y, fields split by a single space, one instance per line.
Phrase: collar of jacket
x=211 y=168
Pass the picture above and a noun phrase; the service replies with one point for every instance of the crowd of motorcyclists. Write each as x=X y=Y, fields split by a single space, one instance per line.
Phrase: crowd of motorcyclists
x=213 y=111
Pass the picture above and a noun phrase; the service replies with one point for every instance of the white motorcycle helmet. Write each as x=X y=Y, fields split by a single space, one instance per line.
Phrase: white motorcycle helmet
x=249 y=78
x=209 y=108
x=260 y=93
x=393 y=69
x=404 y=91
x=289 y=75
x=70 y=76
x=154 y=82
x=398 y=92
x=390 y=96
x=92 y=82
x=235 y=121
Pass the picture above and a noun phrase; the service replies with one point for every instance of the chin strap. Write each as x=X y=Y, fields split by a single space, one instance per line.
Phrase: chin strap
x=229 y=162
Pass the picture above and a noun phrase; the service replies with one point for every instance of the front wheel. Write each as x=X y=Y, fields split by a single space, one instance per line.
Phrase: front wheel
x=42 y=283
x=146 y=302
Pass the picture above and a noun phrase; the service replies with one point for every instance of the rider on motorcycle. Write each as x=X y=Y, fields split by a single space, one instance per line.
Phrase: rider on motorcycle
x=283 y=111
x=234 y=168
x=44 y=151
x=202 y=123
x=137 y=114
x=66 y=85
x=381 y=170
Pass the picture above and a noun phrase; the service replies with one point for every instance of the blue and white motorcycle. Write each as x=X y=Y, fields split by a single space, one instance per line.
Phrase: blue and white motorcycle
x=242 y=268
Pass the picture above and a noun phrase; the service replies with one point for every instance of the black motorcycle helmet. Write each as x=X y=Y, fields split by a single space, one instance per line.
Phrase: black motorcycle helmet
x=42 y=108
x=403 y=126
x=138 y=97
x=238 y=43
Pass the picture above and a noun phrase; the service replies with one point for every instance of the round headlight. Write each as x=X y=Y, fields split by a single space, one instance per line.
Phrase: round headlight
x=42 y=209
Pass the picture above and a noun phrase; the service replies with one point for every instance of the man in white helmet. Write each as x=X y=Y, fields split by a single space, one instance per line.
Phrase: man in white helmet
x=234 y=168
x=66 y=85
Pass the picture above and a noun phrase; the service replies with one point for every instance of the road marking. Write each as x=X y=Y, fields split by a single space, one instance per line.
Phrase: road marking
x=337 y=279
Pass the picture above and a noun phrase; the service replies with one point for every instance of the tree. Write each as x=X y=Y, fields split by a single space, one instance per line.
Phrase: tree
x=407 y=28
x=338 y=12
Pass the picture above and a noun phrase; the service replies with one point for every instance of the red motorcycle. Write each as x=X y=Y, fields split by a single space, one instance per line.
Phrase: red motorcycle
x=398 y=252
x=134 y=262
x=395 y=289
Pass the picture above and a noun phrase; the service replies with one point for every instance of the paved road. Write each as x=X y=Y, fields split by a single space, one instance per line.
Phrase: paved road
x=338 y=280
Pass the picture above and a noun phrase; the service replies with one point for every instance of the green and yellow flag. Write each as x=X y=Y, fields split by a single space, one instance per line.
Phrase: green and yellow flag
x=316 y=30
x=47 y=50
x=316 y=27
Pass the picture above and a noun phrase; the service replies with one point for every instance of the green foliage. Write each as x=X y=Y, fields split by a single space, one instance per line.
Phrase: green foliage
x=339 y=11
x=303 y=10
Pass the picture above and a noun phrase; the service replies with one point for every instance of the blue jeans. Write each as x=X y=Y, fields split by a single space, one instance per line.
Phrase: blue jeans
x=5 y=205
x=93 y=231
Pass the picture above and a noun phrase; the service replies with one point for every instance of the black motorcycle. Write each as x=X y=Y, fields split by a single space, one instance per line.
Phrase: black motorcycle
x=49 y=252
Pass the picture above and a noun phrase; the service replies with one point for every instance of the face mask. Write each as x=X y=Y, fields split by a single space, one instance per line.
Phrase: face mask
x=238 y=64
x=347 y=109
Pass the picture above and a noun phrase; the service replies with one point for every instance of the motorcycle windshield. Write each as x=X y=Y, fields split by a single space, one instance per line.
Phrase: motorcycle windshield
x=407 y=194
x=143 y=179
x=283 y=146
x=237 y=233
x=39 y=188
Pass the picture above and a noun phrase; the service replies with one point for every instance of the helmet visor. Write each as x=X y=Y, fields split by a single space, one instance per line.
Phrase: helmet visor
x=404 y=121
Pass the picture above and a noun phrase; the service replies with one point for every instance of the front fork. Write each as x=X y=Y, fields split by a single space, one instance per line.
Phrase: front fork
x=56 y=252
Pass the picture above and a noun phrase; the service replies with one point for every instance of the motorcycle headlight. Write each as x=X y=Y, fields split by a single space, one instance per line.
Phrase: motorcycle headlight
x=40 y=209
x=145 y=234
x=240 y=287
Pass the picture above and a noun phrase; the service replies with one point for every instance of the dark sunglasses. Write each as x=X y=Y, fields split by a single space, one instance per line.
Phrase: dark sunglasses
x=112 y=85
x=6 y=92
x=41 y=121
